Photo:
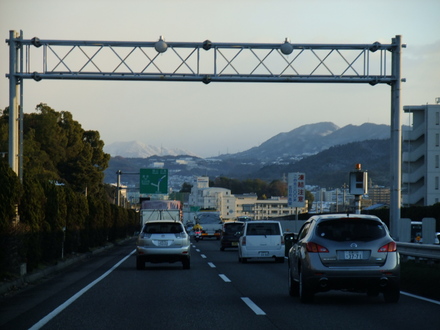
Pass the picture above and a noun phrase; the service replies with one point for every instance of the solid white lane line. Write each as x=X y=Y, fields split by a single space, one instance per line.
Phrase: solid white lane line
x=421 y=298
x=224 y=277
x=63 y=306
x=211 y=265
x=257 y=310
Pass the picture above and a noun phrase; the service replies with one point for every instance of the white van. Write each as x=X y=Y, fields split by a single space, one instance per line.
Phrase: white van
x=261 y=239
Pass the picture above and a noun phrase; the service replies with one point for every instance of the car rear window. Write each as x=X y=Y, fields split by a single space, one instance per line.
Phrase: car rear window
x=350 y=230
x=232 y=228
x=263 y=229
x=168 y=227
x=208 y=219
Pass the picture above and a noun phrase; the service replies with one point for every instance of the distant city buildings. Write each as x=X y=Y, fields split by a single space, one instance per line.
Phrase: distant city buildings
x=232 y=206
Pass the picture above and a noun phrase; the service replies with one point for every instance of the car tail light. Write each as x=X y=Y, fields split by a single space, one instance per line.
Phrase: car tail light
x=313 y=247
x=282 y=240
x=243 y=241
x=390 y=247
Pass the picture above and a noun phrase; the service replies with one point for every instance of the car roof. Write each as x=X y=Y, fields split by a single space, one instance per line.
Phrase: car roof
x=261 y=221
x=162 y=221
x=323 y=217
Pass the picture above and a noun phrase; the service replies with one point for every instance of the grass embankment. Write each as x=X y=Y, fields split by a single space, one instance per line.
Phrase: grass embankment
x=421 y=278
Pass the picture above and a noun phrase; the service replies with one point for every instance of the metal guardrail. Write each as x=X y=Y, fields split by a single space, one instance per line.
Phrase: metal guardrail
x=428 y=251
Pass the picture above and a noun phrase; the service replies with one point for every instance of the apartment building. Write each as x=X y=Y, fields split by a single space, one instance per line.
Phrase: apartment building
x=273 y=208
x=214 y=198
x=421 y=156
x=232 y=206
x=245 y=205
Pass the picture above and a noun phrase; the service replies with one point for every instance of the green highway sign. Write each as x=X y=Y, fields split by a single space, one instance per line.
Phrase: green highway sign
x=153 y=181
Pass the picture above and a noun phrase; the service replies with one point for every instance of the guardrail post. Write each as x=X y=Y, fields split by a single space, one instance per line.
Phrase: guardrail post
x=405 y=230
x=428 y=230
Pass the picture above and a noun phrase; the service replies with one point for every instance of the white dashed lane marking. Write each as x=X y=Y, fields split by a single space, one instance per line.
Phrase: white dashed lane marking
x=257 y=310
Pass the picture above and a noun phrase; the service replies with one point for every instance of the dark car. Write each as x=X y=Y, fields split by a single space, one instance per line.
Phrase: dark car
x=231 y=232
x=344 y=252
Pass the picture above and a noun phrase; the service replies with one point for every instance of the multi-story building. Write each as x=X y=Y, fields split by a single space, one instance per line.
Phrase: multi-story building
x=232 y=206
x=421 y=156
x=218 y=199
x=273 y=208
x=245 y=205
x=379 y=195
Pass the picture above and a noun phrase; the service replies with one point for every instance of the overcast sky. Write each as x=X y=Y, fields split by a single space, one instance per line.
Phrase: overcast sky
x=224 y=117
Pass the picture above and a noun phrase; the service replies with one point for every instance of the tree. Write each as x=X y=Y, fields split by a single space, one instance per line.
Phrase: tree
x=277 y=188
x=310 y=199
x=186 y=187
x=61 y=162
x=10 y=194
x=57 y=148
x=11 y=232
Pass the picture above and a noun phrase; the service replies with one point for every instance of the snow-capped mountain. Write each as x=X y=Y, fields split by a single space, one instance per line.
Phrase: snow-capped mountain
x=136 y=149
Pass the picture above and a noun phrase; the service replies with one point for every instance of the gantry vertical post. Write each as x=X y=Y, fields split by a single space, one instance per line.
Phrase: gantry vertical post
x=14 y=86
x=396 y=139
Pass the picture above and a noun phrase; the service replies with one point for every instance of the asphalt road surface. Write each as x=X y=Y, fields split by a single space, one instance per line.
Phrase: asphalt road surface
x=107 y=292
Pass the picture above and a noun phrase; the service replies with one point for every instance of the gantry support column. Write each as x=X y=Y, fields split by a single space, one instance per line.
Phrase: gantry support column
x=14 y=92
x=396 y=139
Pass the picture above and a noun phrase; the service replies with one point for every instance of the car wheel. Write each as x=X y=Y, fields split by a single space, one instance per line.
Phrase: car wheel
x=186 y=263
x=392 y=294
x=305 y=291
x=222 y=248
x=244 y=260
x=140 y=264
x=293 y=285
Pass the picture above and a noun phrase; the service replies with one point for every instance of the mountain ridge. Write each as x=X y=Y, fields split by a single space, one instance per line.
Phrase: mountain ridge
x=325 y=152
x=311 y=139
x=307 y=139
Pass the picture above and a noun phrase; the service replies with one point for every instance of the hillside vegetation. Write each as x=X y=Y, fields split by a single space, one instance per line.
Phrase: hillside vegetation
x=330 y=168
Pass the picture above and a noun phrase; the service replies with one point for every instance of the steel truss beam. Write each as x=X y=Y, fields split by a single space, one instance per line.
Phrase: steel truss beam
x=209 y=62
x=205 y=61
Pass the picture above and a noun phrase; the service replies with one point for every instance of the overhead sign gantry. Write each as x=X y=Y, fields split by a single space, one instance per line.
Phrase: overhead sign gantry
x=207 y=62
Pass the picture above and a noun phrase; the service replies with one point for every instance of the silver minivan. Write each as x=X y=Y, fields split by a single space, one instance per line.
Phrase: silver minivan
x=261 y=239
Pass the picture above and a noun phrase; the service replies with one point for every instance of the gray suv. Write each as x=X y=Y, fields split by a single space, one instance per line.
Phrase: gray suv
x=163 y=241
x=344 y=252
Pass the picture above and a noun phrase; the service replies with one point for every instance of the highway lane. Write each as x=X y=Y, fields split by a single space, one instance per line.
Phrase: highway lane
x=214 y=293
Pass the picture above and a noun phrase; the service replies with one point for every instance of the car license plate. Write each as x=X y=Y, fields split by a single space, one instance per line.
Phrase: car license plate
x=263 y=253
x=353 y=255
x=163 y=243
x=234 y=243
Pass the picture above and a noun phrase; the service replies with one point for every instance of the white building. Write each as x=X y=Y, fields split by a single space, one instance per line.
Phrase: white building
x=245 y=204
x=230 y=206
x=421 y=156
x=218 y=199
x=273 y=208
